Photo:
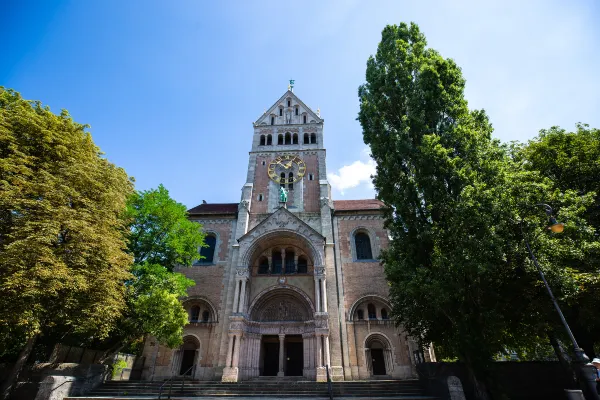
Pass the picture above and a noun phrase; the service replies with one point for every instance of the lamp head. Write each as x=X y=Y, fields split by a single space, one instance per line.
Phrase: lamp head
x=555 y=226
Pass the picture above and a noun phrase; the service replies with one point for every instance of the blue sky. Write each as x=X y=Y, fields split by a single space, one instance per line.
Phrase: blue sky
x=170 y=88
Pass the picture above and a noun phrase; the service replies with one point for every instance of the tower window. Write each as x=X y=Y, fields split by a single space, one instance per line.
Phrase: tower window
x=295 y=138
x=303 y=119
x=310 y=177
x=297 y=110
x=277 y=261
x=280 y=139
x=205 y=316
x=263 y=266
x=269 y=140
x=360 y=314
x=371 y=311
x=302 y=265
x=291 y=181
x=288 y=138
x=260 y=197
x=282 y=179
x=264 y=162
x=262 y=140
x=273 y=120
x=289 y=103
x=313 y=138
x=363 y=246
x=306 y=138
x=384 y=314
x=281 y=112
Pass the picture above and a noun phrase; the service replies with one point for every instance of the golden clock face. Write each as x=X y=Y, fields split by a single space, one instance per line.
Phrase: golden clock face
x=284 y=166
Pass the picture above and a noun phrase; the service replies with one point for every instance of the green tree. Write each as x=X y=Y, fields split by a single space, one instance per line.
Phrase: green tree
x=458 y=207
x=161 y=240
x=63 y=255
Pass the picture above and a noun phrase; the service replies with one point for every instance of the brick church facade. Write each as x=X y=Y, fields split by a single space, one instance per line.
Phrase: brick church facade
x=286 y=289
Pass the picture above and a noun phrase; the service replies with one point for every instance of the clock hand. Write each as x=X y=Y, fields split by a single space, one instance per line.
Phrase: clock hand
x=289 y=165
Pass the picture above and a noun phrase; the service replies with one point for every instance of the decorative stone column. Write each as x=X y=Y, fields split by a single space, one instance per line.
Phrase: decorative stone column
x=231 y=370
x=324 y=291
x=317 y=296
x=321 y=372
x=281 y=357
x=241 y=280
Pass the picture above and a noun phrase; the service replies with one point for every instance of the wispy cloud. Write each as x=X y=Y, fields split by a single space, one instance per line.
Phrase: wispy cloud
x=354 y=175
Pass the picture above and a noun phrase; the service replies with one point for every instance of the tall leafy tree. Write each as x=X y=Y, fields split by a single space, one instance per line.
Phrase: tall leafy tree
x=458 y=207
x=161 y=240
x=63 y=253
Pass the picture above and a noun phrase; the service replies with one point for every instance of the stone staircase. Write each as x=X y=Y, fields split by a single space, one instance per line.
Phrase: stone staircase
x=263 y=387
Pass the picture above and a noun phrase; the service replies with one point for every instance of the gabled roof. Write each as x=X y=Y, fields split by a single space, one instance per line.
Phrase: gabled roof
x=284 y=219
x=215 y=208
x=357 y=205
x=274 y=107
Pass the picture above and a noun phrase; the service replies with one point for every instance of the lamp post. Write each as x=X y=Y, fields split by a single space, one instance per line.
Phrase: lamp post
x=580 y=355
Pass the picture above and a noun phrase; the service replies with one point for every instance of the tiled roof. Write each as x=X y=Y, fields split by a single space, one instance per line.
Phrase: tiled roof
x=352 y=205
x=215 y=208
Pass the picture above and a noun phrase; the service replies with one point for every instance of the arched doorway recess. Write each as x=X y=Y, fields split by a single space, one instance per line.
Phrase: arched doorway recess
x=378 y=355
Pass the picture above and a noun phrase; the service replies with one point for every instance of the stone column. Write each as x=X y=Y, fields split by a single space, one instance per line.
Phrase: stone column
x=243 y=296
x=317 y=296
x=296 y=263
x=281 y=348
x=282 y=261
x=236 y=296
x=230 y=351
x=324 y=291
x=236 y=351
x=326 y=349
x=319 y=360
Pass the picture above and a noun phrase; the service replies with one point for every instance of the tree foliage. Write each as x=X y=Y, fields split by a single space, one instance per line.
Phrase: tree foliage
x=63 y=257
x=459 y=205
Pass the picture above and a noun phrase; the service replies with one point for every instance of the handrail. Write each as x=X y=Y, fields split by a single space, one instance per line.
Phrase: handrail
x=329 y=383
x=170 y=382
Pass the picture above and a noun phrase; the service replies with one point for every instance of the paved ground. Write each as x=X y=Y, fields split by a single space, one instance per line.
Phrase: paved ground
x=253 y=398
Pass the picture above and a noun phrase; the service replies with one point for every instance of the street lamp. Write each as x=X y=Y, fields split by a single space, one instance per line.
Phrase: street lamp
x=580 y=355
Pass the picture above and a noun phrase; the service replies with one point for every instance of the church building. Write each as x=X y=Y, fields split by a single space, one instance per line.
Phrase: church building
x=290 y=283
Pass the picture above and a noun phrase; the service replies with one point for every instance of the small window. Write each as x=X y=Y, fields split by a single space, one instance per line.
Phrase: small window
x=290 y=264
x=269 y=140
x=280 y=139
x=289 y=103
x=303 y=119
x=263 y=266
x=384 y=314
x=194 y=314
x=205 y=316
x=276 y=260
x=295 y=138
x=273 y=120
x=208 y=252
x=260 y=197
x=288 y=138
x=262 y=140
x=282 y=179
x=360 y=314
x=302 y=265
x=296 y=110
x=264 y=162
x=371 y=311
x=291 y=181
x=281 y=112
x=363 y=246
x=313 y=138
x=310 y=177
x=306 y=138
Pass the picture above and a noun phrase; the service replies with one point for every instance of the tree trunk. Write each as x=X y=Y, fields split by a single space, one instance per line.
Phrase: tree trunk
x=562 y=358
x=108 y=354
x=12 y=378
x=479 y=387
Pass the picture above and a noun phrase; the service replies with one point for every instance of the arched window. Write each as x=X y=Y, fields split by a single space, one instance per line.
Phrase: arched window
x=260 y=197
x=289 y=102
x=291 y=181
x=302 y=265
x=205 y=316
x=295 y=138
x=273 y=119
x=360 y=314
x=303 y=119
x=384 y=314
x=282 y=180
x=208 y=252
x=269 y=140
x=290 y=266
x=194 y=314
x=280 y=139
x=262 y=140
x=306 y=138
x=310 y=177
x=297 y=110
x=363 y=246
x=263 y=266
x=371 y=311
x=288 y=138
x=313 y=138
x=281 y=111
x=276 y=259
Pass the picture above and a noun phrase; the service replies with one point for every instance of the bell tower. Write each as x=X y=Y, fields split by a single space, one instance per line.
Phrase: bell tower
x=287 y=152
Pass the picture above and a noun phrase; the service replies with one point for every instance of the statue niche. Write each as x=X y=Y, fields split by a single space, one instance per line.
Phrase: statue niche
x=282 y=309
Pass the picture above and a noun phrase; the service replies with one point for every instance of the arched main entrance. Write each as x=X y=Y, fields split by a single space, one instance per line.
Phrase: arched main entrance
x=378 y=355
x=186 y=357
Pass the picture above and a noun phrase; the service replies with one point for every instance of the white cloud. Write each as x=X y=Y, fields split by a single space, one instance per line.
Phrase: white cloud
x=353 y=175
